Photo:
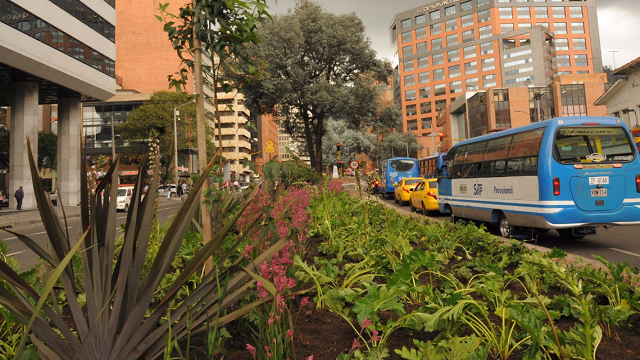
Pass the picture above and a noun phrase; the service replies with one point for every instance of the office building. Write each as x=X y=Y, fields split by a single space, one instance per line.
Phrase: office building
x=53 y=52
x=448 y=47
x=622 y=99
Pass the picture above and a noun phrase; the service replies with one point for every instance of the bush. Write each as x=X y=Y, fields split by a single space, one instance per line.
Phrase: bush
x=299 y=173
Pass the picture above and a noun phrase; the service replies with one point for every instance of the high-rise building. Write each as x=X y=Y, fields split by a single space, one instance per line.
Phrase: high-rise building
x=53 y=52
x=447 y=47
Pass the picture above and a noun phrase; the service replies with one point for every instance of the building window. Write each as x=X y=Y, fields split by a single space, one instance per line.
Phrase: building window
x=486 y=48
x=412 y=125
x=421 y=33
x=409 y=80
x=425 y=92
x=506 y=13
x=425 y=123
x=541 y=104
x=471 y=67
x=452 y=40
x=434 y=15
x=437 y=59
x=558 y=12
x=467 y=20
x=455 y=87
x=425 y=108
x=408 y=65
x=484 y=15
x=451 y=24
x=423 y=77
x=488 y=64
x=489 y=80
x=88 y=17
x=421 y=48
x=574 y=101
x=560 y=28
x=420 y=19
x=406 y=37
x=406 y=23
x=409 y=95
x=469 y=52
x=505 y=27
x=563 y=60
x=581 y=60
x=440 y=104
x=579 y=44
x=440 y=89
x=485 y=32
x=436 y=29
x=478 y=116
x=577 y=28
x=541 y=12
x=423 y=62
x=411 y=110
x=483 y=2
x=502 y=110
x=562 y=44
x=465 y=6
x=468 y=36
x=454 y=71
x=436 y=44
x=438 y=74
x=523 y=13
x=472 y=84
x=523 y=26
x=451 y=10
x=407 y=51
x=575 y=11
x=453 y=55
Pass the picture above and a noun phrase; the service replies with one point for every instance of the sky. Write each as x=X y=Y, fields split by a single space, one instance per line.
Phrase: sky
x=619 y=22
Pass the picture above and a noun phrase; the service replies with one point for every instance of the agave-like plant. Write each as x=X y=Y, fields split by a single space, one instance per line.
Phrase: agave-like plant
x=119 y=320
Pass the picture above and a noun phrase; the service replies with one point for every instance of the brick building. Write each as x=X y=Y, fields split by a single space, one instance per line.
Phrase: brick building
x=447 y=47
x=480 y=112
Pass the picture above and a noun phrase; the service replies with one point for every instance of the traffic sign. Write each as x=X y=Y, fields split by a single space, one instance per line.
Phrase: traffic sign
x=354 y=164
x=269 y=147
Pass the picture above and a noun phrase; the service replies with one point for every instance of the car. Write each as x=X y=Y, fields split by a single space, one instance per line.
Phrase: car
x=53 y=196
x=124 y=197
x=424 y=197
x=173 y=190
x=403 y=189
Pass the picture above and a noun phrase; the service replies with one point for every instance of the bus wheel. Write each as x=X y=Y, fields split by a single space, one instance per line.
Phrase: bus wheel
x=126 y=207
x=505 y=228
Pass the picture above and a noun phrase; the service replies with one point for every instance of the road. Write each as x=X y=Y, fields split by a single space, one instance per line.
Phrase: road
x=618 y=244
x=27 y=259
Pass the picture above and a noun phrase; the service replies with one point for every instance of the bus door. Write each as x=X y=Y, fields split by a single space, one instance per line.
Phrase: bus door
x=598 y=155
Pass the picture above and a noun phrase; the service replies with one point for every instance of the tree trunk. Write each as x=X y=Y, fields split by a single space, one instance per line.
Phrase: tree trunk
x=319 y=133
x=308 y=135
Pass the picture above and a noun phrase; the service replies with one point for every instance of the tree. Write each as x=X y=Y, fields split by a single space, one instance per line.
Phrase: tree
x=318 y=65
x=47 y=149
x=155 y=118
x=352 y=142
x=397 y=144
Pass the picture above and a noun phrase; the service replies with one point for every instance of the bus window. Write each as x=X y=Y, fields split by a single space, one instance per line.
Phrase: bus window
x=475 y=152
x=402 y=165
x=498 y=149
x=526 y=143
x=578 y=144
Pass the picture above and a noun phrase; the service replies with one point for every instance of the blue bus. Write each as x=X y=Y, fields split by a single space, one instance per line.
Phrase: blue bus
x=571 y=174
x=429 y=165
x=395 y=169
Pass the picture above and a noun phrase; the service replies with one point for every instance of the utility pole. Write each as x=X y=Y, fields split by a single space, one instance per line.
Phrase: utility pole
x=202 y=135
x=613 y=55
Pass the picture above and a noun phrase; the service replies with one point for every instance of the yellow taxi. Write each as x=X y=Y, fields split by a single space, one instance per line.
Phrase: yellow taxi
x=403 y=189
x=424 y=197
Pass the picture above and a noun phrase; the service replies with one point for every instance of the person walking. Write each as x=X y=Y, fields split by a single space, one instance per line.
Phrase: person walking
x=19 y=195
x=166 y=191
x=184 y=188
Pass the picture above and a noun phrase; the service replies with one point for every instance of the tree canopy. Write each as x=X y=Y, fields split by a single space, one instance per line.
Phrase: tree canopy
x=155 y=118
x=4 y=147
x=47 y=149
x=396 y=144
x=316 y=65
x=352 y=142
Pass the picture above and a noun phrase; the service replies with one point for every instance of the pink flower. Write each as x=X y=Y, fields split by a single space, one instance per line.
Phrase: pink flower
x=310 y=357
x=290 y=334
x=266 y=348
x=375 y=337
x=366 y=323
x=304 y=301
x=252 y=350
x=356 y=344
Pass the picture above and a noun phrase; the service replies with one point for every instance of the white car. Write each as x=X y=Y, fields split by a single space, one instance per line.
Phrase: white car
x=124 y=198
x=53 y=196
x=173 y=190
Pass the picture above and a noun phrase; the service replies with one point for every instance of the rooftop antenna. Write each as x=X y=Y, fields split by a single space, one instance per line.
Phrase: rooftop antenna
x=613 y=54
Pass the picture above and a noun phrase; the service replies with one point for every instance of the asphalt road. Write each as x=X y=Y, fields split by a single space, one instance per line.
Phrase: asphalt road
x=27 y=259
x=618 y=244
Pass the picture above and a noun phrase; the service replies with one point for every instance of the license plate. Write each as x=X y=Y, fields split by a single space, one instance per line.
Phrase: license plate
x=596 y=180
x=598 y=192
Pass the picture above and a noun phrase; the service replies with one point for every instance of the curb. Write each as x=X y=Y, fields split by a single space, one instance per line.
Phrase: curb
x=20 y=223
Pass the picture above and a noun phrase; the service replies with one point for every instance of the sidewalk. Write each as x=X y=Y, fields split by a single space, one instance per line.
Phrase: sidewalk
x=12 y=218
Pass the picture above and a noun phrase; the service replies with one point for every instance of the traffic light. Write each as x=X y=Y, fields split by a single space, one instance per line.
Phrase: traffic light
x=338 y=146
x=339 y=164
x=441 y=136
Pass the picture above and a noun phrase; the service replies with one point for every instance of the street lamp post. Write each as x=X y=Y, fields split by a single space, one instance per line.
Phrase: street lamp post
x=175 y=138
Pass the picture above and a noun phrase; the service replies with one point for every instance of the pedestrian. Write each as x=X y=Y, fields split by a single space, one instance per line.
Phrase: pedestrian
x=235 y=185
x=184 y=188
x=179 y=189
x=1 y=199
x=166 y=191
x=19 y=195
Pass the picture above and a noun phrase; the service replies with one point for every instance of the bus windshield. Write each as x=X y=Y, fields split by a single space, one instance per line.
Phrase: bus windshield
x=411 y=181
x=122 y=192
x=402 y=165
x=592 y=144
